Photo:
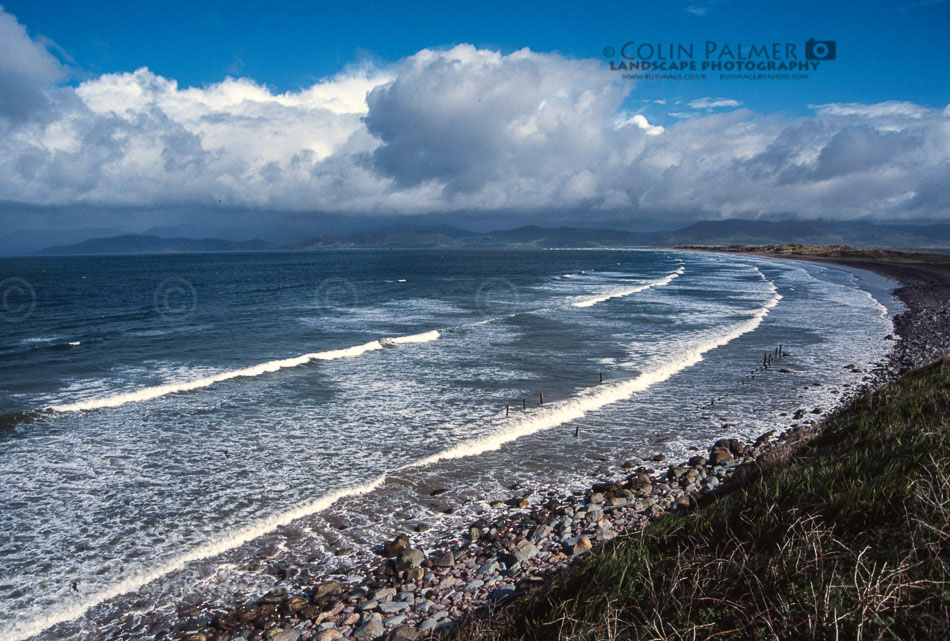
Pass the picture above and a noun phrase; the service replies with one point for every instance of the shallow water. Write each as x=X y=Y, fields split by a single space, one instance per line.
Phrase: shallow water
x=198 y=424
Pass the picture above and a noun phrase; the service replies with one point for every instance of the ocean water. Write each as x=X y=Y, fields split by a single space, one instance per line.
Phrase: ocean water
x=198 y=425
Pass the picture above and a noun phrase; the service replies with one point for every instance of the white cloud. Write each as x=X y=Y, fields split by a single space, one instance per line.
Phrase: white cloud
x=640 y=121
x=463 y=129
x=714 y=103
x=27 y=70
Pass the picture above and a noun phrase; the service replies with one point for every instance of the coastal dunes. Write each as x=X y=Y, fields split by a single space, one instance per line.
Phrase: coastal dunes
x=843 y=521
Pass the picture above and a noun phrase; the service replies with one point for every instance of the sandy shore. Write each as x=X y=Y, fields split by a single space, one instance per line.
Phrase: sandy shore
x=411 y=593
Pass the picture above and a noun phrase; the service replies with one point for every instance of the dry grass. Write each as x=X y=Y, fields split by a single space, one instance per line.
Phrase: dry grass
x=850 y=540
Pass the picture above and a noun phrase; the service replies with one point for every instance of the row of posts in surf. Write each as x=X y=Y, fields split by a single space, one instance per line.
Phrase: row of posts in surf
x=524 y=405
x=768 y=360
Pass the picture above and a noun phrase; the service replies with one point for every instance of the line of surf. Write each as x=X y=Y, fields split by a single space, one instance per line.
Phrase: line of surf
x=27 y=629
x=149 y=393
x=620 y=293
x=540 y=420
x=603 y=395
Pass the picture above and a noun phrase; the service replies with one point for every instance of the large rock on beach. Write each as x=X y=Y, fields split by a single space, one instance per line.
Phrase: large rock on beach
x=324 y=590
x=410 y=559
x=445 y=560
x=524 y=550
x=295 y=604
x=582 y=545
x=396 y=547
x=275 y=596
x=720 y=456
x=393 y=607
x=489 y=567
x=382 y=593
x=370 y=630
x=675 y=472
x=518 y=502
x=641 y=481
x=734 y=445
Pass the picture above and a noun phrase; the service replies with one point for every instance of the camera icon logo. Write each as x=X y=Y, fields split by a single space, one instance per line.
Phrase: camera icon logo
x=820 y=49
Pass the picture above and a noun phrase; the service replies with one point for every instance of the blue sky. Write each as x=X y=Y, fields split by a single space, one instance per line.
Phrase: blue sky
x=127 y=115
x=895 y=50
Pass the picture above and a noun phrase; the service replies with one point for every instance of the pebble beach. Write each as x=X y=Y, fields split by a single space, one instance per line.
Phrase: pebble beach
x=410 y=593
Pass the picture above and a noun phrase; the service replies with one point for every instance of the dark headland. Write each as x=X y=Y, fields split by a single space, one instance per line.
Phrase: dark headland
x=835 y=528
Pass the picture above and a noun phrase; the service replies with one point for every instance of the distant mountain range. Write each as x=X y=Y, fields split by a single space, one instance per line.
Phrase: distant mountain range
x=725 y=232
x=139 y=244
x=861 y=234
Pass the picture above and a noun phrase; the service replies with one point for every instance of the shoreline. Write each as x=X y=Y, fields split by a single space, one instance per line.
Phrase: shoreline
x=409 y=594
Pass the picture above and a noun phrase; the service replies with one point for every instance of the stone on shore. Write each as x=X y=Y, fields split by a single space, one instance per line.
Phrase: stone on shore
x=393 y=607
x=445 y=560
x=410 y=559
x=489 y=567
x=382 y=593
x=275 y=596
x=370 y=630
x=524 y=550
x=503 y=594
x=641 y=481
x=720 y=456
x=406 y=633
x=295 y=604
x=605 y=532
x=396 y=547
x=582 y=545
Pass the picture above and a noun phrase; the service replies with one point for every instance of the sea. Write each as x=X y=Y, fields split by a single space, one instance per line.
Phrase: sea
x=200 y=427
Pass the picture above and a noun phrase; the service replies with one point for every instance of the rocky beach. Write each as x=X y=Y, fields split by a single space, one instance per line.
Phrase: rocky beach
x=411 y=593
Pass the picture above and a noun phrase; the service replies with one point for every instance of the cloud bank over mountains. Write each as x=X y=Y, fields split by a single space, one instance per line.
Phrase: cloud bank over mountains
x=463 y=130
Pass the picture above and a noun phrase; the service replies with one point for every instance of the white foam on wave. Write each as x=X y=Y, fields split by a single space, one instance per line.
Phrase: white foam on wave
x=627 y=291
x=39 y=339
x=542 y=419
x=425 y=337
x=149 y=393
x=602 y=395
x=25 y=630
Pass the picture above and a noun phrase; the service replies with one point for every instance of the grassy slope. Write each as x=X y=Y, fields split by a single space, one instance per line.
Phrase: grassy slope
x=850 y=540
